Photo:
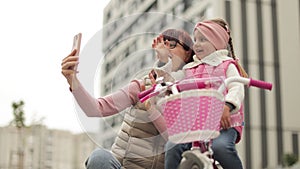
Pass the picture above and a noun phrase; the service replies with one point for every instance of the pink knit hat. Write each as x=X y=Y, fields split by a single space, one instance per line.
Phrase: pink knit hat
x=214 y=33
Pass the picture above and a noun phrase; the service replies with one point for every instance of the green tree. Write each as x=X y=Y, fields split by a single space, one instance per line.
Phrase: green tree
x=18 y=112
x=19 y=122
x=290 y=159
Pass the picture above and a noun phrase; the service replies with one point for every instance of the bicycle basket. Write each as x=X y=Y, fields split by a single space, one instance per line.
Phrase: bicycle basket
x=193 y=115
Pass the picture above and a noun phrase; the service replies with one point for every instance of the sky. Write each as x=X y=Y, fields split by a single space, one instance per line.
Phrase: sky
x=35 y=37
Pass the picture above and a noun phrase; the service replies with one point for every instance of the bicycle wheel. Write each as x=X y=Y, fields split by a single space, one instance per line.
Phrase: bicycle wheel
x=187 y=164
x=194 y=159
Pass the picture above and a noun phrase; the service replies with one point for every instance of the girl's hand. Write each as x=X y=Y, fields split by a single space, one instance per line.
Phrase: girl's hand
x=152 y=76
x=67 y=69
x=163 y=53
x=225 y=119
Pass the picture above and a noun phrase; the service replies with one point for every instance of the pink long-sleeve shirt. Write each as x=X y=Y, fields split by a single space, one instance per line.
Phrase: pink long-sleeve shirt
x=116 y=102
x=107 y=105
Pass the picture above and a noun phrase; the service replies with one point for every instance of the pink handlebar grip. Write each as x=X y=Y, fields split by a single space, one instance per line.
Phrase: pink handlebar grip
x=148 y=96
x=144 y=98
x=146 y=92
x=260 y=84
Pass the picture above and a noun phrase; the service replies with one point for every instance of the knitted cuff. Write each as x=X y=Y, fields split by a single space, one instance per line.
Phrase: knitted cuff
x=230 y=105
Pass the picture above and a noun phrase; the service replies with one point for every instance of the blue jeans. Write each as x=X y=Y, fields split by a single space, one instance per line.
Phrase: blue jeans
x=102 y=159
x=223 y=148
x=173 y=154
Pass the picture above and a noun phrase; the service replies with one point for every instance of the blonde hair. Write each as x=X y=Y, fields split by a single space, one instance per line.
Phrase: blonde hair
x=225 y=25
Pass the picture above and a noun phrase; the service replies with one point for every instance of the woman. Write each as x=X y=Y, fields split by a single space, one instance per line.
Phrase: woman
x=138 y=144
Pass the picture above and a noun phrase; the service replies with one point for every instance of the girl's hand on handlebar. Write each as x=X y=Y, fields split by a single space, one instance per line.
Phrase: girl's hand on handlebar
x=225 y=119
x=67 y=69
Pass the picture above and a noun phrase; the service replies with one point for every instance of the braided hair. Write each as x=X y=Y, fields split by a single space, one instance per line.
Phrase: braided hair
x=224 y=24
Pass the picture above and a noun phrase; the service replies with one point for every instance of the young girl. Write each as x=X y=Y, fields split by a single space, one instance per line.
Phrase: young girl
x=211 y=59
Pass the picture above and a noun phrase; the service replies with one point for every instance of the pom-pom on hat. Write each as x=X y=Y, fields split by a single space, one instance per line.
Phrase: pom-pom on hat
x=214 y=33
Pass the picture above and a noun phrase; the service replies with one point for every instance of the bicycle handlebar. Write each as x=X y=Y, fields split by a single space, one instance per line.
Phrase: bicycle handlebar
x=189 y=84
x=146 y=92
x=260 y=84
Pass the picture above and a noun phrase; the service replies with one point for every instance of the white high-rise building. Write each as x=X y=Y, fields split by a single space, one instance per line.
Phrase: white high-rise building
x=266 y=38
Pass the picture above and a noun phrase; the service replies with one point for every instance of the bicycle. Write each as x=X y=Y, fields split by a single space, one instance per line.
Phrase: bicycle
x=192 y=113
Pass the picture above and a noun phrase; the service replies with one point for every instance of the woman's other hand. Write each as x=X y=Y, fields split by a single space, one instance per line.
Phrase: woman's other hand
x=163 y=53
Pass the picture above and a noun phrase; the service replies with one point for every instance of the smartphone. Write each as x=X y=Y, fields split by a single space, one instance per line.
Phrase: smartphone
x=76 y=45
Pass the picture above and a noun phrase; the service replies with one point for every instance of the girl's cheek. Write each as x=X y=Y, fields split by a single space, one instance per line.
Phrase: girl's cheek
x=194 y=46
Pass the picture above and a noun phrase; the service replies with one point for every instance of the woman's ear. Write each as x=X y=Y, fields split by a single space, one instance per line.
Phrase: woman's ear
x=188 y=56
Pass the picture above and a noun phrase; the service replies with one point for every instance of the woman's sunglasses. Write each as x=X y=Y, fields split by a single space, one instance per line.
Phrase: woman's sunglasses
x=172 y=43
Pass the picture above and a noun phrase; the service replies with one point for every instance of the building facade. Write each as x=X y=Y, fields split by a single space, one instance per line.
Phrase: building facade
x=266 y=39
x=37 y=147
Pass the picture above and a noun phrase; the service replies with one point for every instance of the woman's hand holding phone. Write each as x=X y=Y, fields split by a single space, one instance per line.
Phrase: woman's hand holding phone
x=69 y=64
